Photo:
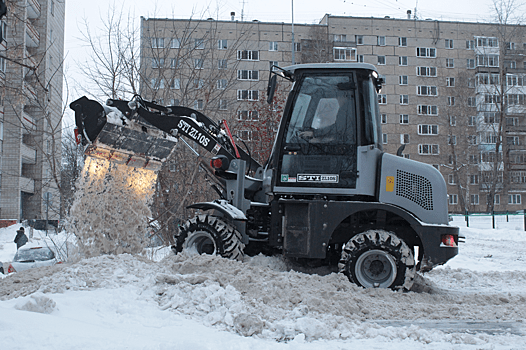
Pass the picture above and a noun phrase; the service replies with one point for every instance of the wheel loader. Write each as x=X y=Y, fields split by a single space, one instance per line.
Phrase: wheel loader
x=328 y=194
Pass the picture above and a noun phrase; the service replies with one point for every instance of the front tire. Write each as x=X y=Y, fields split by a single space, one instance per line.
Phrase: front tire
x=207 y=234
x=378 y=259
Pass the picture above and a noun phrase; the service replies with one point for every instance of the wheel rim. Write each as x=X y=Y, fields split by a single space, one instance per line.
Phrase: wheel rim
x=375 y=269
x=200 y=242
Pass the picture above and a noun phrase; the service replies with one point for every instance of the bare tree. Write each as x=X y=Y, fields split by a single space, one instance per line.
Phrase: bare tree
x=499 y=95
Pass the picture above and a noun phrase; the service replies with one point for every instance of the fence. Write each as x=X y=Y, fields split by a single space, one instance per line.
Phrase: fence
x=494 y=218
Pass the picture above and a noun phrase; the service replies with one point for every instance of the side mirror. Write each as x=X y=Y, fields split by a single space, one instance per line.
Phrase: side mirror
x=271 y=88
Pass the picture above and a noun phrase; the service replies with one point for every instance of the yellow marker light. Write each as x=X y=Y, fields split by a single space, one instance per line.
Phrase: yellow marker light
x=389 y=183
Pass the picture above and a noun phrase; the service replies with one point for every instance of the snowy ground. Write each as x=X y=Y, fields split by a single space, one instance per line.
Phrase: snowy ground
x=476 y=301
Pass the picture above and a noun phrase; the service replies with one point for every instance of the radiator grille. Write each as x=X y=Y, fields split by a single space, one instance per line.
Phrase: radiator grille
x=414 y=187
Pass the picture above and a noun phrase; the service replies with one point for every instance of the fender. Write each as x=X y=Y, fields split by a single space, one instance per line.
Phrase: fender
x=222 y=206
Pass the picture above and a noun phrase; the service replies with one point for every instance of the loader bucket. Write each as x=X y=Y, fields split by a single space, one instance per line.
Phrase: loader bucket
x=120 y=140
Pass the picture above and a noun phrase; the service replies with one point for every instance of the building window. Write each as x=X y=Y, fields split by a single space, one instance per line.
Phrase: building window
x=381 y=60
x=157 y=62
x=383 y=118
x=52 y=8
x=449 y=44
x=472 y=102
x=402 y=60
x=340 y=37
x=245 y=135
x=382 y=99
x=297 y=47
x=402 y=79
x=427 y=110
x=426 y=71
x=425 y=149
x=472 y=139
x=199 y=44
x=223 y=105
x=199 y=83
x=344 y=54
x=248 y=55
x=423 y=90
x=273 y=46
x=380 y=40
x=452 y=120
x=248 y=95
x=198 y=63
x=404 y=119
x=157 y=83
x=427 y=129
x=404 y=99
x=450 y=82
x=474 y=199
x=514 y=199
x=470 y=44
x=512 y=140
x=451 y=139
x=404 y=139
x=450 y=63
x=452 y=179
x=174 y=64
x=222 y=84
x=3 y=64
x=360 y=58
x=487 y=42
x=243 y=74
x=453 y=199
x=175 y=84
x=273 y=63
x=359 y=39
x=199 y=105
x=473 y=159
x=451 y=100
x=470 y=63
x=222 y=44
x=247 y=115
x=157 y=43
x=473 y=179
x=426 y=52
x=402 y=41
x=222 y=64
x=174 y=102
x=384 y=139
x=175 y=43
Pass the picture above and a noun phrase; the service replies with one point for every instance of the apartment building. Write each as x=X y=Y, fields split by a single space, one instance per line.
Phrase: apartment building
x=446 y=84
x=31 y=110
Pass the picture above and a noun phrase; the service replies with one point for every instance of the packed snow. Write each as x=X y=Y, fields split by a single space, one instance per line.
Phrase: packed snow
x=476 y=301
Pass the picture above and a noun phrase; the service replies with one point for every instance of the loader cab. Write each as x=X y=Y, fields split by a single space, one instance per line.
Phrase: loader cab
x=330 y=120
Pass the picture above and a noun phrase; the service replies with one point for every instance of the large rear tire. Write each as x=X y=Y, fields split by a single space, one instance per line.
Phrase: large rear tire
x=378 y=259
x=206 y=234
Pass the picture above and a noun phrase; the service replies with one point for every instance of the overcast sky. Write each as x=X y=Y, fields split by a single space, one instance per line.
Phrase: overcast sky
x=305 y=11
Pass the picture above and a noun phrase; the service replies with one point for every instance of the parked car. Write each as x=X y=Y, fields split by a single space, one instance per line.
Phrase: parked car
x=28 y=258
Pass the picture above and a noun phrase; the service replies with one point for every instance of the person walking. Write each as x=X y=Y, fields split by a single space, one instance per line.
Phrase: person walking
x=20 y=238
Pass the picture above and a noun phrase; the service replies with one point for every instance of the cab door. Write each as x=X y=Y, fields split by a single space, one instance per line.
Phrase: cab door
x=319 y=149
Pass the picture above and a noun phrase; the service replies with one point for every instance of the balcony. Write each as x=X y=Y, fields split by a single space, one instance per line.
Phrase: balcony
x=28 y=124
x=33 y=9
x=29 y=155
x=30 y=94
x=27 y=185
x=32 y=36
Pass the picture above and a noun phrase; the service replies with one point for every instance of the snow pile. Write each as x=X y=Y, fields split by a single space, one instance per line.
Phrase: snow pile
x=110 y=211
x=37 y=302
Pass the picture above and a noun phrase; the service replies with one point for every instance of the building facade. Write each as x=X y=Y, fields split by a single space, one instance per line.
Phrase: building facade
x=31 y=109
x=454 y=94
